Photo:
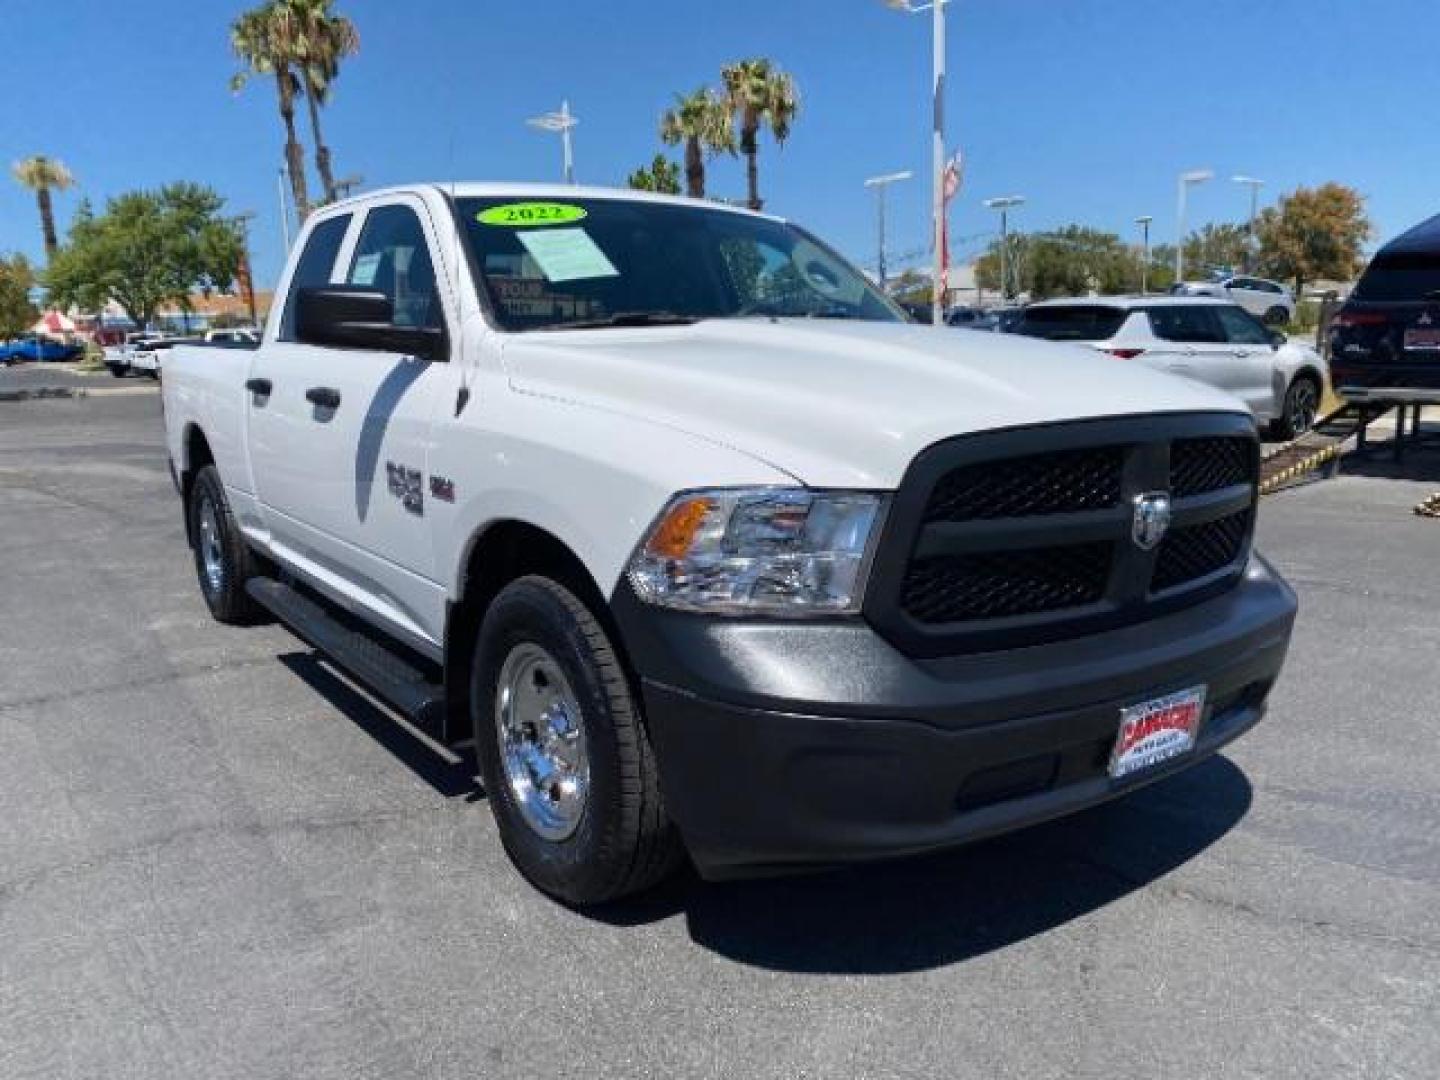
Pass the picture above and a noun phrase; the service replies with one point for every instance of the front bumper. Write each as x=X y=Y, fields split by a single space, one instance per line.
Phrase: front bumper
x=785 y=745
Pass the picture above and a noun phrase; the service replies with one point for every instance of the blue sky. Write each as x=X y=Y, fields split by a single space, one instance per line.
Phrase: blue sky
x=1089 y=108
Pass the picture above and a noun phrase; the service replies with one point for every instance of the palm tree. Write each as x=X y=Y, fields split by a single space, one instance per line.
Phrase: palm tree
x=703 y=121
x=263 y=39
x=322 y=41
x=760 y=94
x=42 y=174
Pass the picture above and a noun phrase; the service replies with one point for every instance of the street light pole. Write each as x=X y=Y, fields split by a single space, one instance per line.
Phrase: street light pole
x=1254 y=185
x=561 y=123
x=1144 y=223
x=1005 y=204
x=937 y=10
x=880 y=184
x=284 y=212
x=1195 y=176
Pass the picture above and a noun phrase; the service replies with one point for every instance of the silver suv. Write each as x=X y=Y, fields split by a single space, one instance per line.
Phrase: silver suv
x=1210 y=340
x=1268 y=301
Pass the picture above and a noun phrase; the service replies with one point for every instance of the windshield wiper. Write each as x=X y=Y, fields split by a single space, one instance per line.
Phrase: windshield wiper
x=627 y=318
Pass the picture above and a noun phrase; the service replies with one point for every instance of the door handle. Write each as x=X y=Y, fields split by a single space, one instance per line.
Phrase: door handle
x=323 y=396
x=261 y=387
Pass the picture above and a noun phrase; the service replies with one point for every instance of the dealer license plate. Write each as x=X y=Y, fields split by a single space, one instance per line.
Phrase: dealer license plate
x=1423 y=337
x=1157 y=731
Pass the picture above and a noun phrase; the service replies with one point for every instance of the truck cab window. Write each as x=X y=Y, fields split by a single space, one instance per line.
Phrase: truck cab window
x=316 y=264
x=392 y=257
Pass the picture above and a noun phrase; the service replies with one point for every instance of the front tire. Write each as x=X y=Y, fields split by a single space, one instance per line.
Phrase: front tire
x=223 y=561
x=564 y=753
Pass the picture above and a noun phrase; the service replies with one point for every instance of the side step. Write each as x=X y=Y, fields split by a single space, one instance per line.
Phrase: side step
x=399 y=682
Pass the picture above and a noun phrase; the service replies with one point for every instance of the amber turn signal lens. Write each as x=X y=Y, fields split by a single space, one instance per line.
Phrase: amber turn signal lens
x=676 y=534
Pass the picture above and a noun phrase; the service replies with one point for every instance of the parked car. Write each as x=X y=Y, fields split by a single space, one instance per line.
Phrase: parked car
x=243 y=336
x=1268 y=301
x=148 y=356
x=1212 y=341
x=1387 y=334
x=724 y=561
x=36 y=349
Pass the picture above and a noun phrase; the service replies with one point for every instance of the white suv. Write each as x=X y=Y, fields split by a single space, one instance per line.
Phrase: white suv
x=1266 y=300
x=1210 y=340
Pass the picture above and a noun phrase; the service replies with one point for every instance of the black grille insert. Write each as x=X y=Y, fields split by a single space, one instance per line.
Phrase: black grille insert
x=1001 y=584
x=1026 y=536
x=1200 y=550
x=1063 y=482
x=1198 y=466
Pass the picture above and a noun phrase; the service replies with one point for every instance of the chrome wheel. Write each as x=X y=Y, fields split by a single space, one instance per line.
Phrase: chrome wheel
x=542 y=742
x=212 y=555
x=1304 y=404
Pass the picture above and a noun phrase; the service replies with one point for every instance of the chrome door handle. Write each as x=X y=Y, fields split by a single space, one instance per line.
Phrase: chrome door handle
x=323 y=396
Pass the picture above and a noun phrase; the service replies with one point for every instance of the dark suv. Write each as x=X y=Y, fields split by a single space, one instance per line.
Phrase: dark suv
x=1388 y=333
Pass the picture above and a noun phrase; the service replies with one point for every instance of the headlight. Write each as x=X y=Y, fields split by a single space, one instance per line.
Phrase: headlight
x=765 y=551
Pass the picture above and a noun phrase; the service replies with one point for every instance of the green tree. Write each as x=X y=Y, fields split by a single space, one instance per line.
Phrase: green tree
x=1221 y=247
x=761 y=96
x=42 y=175
x=321 y=41
x=704 y=123
x=661 y=175
x=1314 y=234
x=17 y=314
x=1071 y=261
x=264 y=40
x=147 y=248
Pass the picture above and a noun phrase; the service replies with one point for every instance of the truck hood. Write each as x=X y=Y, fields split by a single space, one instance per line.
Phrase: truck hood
x=839 y=404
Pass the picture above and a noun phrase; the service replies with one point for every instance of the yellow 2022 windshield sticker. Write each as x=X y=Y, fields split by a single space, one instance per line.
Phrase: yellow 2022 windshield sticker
x=521 y=214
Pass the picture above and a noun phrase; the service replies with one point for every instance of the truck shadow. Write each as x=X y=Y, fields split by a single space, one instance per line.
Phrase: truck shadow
x=924 y=913
x=449 y=779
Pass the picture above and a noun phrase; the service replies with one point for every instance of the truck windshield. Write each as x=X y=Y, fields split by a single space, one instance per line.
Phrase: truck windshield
x=582 y=263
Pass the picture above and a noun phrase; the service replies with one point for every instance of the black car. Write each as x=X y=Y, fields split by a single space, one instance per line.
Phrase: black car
x=1387 y=335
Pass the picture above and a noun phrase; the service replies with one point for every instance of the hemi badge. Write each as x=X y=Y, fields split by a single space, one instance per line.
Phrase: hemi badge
x=442 y=489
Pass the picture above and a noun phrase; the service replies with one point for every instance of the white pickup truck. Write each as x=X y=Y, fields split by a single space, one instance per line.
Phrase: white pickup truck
x=708 y=552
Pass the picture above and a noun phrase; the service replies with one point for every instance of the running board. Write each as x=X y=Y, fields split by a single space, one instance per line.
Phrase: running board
x=399 y=682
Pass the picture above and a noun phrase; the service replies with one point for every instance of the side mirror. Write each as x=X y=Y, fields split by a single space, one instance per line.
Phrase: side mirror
x=1277 y=338
x=358 y=317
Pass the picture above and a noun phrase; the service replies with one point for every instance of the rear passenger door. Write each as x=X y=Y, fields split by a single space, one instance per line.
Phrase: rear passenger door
x=1254 y=368
x=1196 y=346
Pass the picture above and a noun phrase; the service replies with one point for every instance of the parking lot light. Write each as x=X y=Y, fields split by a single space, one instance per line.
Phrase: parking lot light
x=937 y=12
x=1194 y=176
x=1254 y=185
x=561 y=123
x=1144 y=222
x=1005 y=204
x=880 y=184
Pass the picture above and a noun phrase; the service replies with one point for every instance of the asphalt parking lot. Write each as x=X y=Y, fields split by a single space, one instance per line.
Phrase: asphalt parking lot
x=218 y=860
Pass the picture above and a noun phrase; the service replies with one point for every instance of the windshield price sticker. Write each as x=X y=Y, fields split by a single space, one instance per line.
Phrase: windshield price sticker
x=567 y=255
x=520 y=215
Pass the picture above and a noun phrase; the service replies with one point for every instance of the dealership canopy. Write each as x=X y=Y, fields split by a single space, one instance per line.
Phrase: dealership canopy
x=53 y=322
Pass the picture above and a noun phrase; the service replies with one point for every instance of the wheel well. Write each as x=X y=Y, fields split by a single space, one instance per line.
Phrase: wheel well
x=504 y=552
x=197 y=456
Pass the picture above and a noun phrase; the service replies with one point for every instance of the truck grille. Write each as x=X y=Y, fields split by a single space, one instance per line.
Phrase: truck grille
x=1026 y=536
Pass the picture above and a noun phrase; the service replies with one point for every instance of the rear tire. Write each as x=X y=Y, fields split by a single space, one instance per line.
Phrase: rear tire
x=223 y=561
x=118 y=371
x=564 y=754
x=1277 y=316
x=1299 y=410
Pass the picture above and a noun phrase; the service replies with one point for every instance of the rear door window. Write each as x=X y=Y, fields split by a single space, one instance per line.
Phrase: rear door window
x=317 y=263
x=1189 y=325
x=1412 y=276
x=1241 y=328
x=1072 y=322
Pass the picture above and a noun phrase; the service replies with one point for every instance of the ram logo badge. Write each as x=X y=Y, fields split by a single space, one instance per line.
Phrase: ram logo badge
x=406 y=485
x=1152 y=519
